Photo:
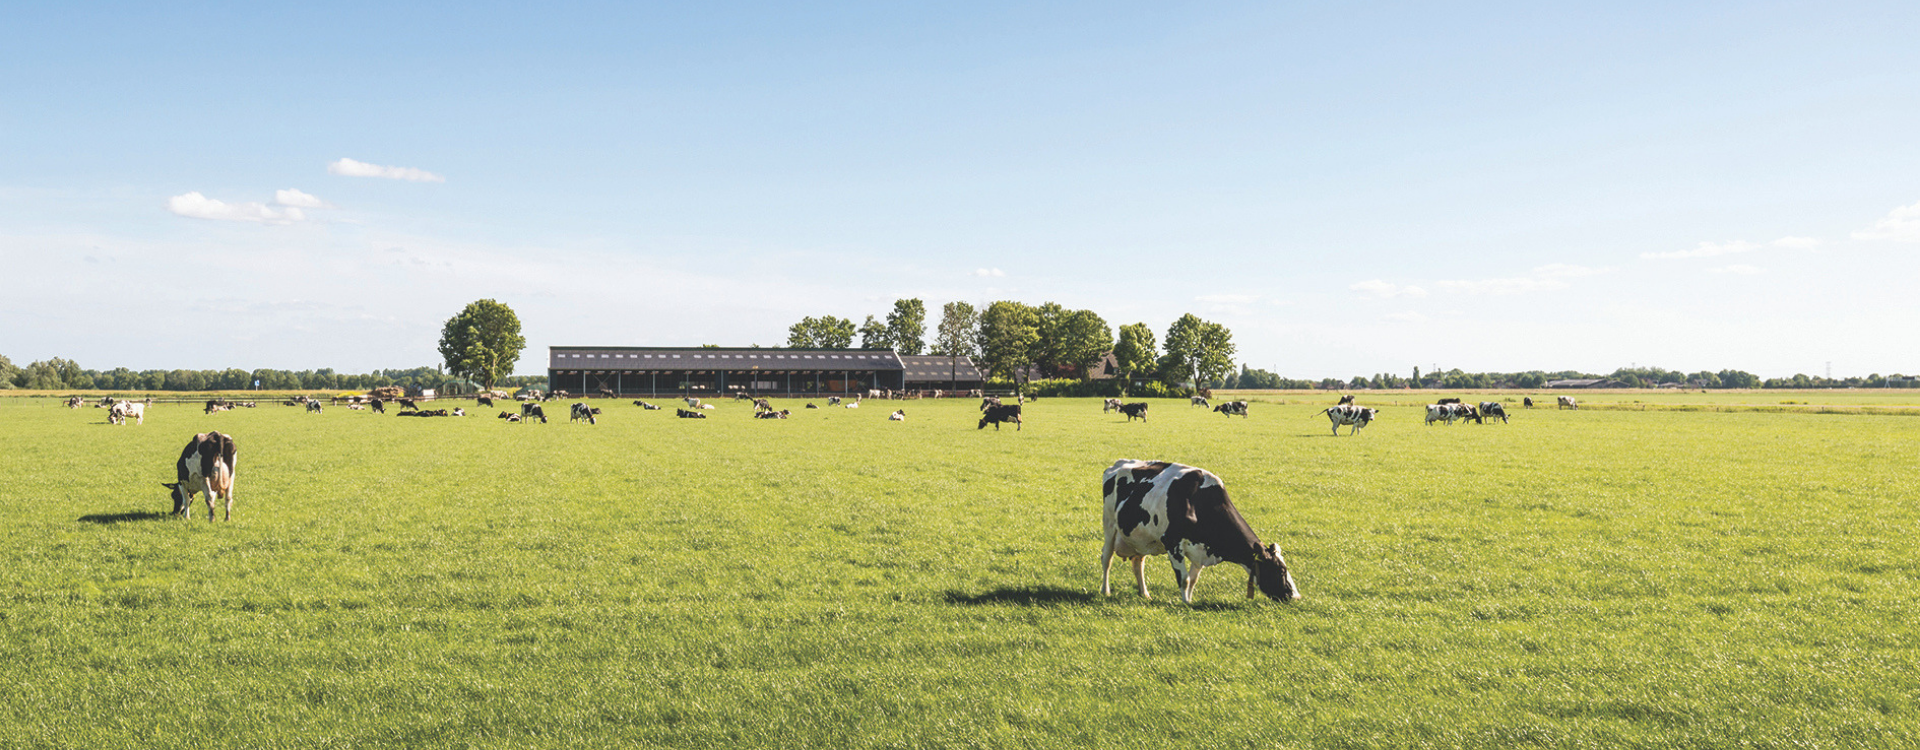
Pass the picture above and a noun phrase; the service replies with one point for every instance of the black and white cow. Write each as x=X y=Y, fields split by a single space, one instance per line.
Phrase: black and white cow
x=1183 y=512
x=581 y=413
x=1112 y=404
x=1231 y=408
x=989 y=401
x=1490 y=409
x=1349 y=414
x=998 y=414
x=898 y=415
x=761 y=404
x=1345 y=400
x=1567 y=402
x=530 y=412
x=379 y=406
x=407 y=403
x=1528 y=401
x=685 y=414
x=1439 y=413
x=1196 y=401
x=1135 y=410
x=76 y=402
x=205 y=467
x=770 y=414
x=313 y=407
x=647 y=406
x=121 y=410
x=833 y=400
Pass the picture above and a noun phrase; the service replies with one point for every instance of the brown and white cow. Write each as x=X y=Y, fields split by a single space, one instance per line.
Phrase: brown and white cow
x=1183 y=512
x=206 y=466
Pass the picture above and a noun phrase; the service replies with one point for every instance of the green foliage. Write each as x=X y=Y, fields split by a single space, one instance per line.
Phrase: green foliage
x=959 y=331
x=1081 y=338
x=1745 y=580
x=1196 y=350
x=873 y=335
x=482 y=342
x=907 y=326
x=1135 y=352
x=824 y=332
x=7 y=373
x=1009 y=332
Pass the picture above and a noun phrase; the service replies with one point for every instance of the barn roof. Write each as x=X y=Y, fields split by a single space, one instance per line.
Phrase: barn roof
x=644 y=358
x=935 y=367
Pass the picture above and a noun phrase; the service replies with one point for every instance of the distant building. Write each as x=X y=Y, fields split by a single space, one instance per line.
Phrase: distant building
x=639 y=370
x=933 y=372
x=1583 y=383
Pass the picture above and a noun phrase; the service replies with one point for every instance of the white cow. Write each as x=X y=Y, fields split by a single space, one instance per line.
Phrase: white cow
x=1567 y=402
x=118 y=413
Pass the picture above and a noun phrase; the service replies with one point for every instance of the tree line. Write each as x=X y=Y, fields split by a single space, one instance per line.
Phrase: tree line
x=58 y=374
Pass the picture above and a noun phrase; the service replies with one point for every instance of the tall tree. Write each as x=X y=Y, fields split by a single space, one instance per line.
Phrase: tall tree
x=1008 y=332
x=873 y=335
x=959 y=331
x=907 y=326
x=1135 y=353
x=8 y=372
x=824 y=332
x=1083 y=338
x=1048 y=348
x=482 y=343
x=1198 y=350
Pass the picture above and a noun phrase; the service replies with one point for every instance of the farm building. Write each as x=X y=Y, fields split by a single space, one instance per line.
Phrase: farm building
x=698 y=371
x=940 y=373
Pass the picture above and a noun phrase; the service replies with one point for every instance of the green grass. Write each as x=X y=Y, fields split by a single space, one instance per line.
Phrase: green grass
x=1574 y=579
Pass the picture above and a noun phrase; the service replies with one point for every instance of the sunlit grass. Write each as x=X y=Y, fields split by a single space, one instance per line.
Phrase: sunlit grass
x=1594 y=578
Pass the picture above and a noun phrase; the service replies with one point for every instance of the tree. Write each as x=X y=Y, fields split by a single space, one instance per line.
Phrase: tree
x=907 y=326
x=1082 y=339
x=482 y=343
x=1048 y=353
x=1008 y=331
x=1197 y=349
x=873 y=335
x=7 y=373
x=824 y=332
x=1135 y=353
x=959 y=331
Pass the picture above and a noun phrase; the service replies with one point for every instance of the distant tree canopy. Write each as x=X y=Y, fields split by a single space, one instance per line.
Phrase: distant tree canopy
x=873 y=335
x=825 y=332
x=482 y=343
x=907 y=326
x=1197 y=350
x=1009 y=332
x=959 y=331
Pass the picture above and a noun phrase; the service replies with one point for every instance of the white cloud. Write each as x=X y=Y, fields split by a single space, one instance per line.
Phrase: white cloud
x=989 y=272
x=1386 y=289
x=1706 y=250
x=1796 y=243
x=297 y=199
x=350 y=168
x=1514 y=285
x=1564 y=271
x=1738 y=268
x=1901 y=225
x=1227 y=299
x=196 y=206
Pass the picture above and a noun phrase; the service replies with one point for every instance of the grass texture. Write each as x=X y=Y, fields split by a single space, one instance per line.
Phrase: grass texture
x=1600 y=578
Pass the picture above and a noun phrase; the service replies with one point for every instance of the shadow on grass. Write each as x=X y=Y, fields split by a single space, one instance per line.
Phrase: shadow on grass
x=1026 y=596
x=109 y=518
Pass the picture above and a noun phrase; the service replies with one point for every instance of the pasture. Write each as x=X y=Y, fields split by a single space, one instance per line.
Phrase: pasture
x=1600 y=578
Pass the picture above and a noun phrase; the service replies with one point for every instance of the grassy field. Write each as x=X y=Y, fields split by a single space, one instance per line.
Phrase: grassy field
x=1600 y=578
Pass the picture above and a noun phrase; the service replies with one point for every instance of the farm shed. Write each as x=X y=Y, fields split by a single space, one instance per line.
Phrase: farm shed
x=696 y=371
x=940 y=373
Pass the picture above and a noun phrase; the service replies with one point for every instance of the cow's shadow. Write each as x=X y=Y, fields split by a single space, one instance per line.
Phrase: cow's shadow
x=112 y=518
x=1025 y=596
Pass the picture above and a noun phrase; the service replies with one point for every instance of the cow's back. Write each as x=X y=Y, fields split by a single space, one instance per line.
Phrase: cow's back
x=1133 y=520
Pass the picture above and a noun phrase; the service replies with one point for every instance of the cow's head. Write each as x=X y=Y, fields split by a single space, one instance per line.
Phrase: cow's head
x=180 y=497
x=1271 y=573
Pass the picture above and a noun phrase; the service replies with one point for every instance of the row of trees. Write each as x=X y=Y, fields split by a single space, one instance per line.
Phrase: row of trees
x=60 y=374
x=1625 y=377
x=1017 y=341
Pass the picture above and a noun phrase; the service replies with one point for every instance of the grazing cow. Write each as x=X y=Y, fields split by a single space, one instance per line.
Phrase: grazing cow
x=998 y=414
x=1467 y=411
x=761 y=404
x=833 y=400
x=1345 y=400
x=989 y=401
x=1489 y=410
x=118 y=413
x=898 y=415
x=530 y=412
x=1196 y=401
x=684 y=414
x=1528 y=401
x=692 y=403
x=1567 y=402
x=1135 y=410
x=1345 y=414
x=1183 y=512
x=313 y=407
x=75 y=402
x=379 y=406
x=483 y=401
x=407 y=403
x=1438 y=412
x=1231 y=408
x=580 y=413
x=206 y=466
x=1112 y=404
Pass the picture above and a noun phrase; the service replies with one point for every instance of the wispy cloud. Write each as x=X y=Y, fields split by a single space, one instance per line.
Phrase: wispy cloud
x=196 y=206
x=297 y=199
x=1711 y=249
x=989 y=272
x=1541 y=279
x=1387 y=290
x=1738 y=268
x=1900 y=225
x=350 y=168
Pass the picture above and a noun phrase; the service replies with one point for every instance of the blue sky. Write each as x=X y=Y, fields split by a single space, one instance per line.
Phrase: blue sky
x=1351 y=190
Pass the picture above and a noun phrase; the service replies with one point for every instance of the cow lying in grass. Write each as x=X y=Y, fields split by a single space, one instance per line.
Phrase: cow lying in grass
x=206 y=466
x=687 y=414
x=645 y=405
x=1183 y=512
x=898 y=415
x=770 y=414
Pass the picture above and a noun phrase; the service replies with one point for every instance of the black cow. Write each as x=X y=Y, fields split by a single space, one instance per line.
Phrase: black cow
x=685 y=414
x=407 y=403
x=1183 y=512
x=811 y=406
x=484 y=401
x=998 y=414
x=1136 y=409
x=379 y=406
x=1448 y=401
x=1231 y=408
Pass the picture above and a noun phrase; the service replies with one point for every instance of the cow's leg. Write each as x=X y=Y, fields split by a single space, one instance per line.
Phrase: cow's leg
x=1140 y=575
x=1253 y=577
x=1179 y=563
x=210 y=502
x=1193 y=579
x=1106 y=566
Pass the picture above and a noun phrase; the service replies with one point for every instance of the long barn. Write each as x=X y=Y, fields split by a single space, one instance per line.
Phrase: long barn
x=696 y=371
